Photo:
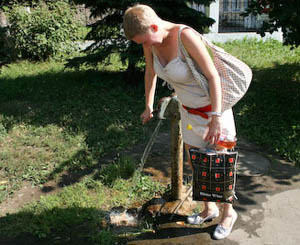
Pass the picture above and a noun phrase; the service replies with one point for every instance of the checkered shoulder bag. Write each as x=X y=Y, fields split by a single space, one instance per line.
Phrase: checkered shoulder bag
x=214 y=175
x=235 y=75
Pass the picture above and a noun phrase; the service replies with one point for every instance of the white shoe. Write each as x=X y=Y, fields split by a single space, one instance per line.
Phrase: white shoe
x=222 y=232
x=197 y=220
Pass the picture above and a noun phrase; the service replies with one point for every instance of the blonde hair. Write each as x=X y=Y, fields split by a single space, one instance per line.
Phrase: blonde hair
x=138 y=19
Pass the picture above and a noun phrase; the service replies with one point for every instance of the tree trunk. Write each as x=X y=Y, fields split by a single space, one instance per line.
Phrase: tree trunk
x=133 y=76
x=3 y=19
x=6 y=46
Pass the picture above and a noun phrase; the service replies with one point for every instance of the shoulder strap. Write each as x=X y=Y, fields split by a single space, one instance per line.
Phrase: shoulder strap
x=180 y=44
x=206 y=42
x=179 y=49
x=198 y=76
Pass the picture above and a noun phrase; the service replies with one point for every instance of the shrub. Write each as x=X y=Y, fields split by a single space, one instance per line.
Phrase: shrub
x=47 y=30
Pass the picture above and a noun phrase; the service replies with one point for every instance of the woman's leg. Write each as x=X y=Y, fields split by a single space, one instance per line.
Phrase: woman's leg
x=224 y=228
x=209 y=209
x=227 y=216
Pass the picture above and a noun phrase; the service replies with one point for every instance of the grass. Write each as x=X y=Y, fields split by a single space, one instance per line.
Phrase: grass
x=269 y=113
x=56 y=123
x=52 y=120
x=77 y=212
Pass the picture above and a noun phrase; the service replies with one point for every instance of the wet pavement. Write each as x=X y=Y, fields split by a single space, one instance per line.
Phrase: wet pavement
x=268 y=191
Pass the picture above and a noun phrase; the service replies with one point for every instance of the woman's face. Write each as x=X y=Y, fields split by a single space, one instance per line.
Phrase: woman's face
x=148 y=39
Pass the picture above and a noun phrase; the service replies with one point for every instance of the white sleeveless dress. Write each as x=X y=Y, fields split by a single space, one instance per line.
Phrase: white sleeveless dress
x=179 y=76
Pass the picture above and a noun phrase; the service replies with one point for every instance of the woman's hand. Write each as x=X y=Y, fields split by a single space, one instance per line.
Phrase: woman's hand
x=214 y=130
x=146 y=115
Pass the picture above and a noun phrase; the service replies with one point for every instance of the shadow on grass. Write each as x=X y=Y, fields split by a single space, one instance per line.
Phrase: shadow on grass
x=56 y=226
x=84 y=226
x=97 y=105
x=107 y=112
x=269 y=113
x=77 y=101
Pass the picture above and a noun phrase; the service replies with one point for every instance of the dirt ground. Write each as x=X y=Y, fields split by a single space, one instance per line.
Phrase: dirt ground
x=157 y=165
x=277 y=177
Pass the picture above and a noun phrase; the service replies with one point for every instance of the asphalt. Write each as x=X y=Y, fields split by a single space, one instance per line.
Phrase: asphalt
x=268 y=205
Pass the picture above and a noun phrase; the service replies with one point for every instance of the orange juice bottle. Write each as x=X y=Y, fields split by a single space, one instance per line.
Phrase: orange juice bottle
x=226 y=141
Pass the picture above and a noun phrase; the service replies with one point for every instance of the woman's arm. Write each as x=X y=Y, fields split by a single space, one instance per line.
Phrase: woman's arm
x=150 y=85
x=197 y=50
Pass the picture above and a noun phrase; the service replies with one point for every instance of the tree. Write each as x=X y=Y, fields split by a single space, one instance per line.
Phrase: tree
x=6 y=51
x=283 y=14
x=108 y=35
x=49 y=29
x=41 y=29
x=9 y=3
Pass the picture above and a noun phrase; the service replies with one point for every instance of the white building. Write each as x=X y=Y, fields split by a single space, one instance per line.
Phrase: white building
x=230 y=25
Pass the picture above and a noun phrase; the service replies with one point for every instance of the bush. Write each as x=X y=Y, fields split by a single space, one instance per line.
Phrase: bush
x=48 y=30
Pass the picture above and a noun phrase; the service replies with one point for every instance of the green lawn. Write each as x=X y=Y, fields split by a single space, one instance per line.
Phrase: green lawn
x=56 y=121
x=269 y=113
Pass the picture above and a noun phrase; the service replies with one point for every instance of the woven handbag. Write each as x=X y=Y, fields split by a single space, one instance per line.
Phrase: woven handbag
x=235 y=75
x=214 y=175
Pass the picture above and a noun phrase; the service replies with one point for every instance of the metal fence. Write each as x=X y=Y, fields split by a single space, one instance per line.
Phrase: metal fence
x=230 y=19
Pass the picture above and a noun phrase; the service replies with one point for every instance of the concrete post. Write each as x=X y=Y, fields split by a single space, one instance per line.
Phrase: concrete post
x=214 y=14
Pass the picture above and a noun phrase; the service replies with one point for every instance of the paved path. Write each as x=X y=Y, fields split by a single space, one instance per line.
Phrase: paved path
x=268 y=206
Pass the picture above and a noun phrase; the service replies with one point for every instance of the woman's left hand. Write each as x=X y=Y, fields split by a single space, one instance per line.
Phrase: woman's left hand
x=214 y=130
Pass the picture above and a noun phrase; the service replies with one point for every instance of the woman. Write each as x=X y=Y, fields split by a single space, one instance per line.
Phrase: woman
x=163 y=58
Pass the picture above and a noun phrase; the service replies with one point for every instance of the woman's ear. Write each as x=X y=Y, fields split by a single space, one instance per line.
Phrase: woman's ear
x=154 y=27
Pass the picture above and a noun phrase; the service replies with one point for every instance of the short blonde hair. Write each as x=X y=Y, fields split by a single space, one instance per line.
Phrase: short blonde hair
x=138 y=19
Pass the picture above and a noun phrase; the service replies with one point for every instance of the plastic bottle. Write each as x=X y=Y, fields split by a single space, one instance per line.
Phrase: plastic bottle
x=226 y=141
x=199 y=130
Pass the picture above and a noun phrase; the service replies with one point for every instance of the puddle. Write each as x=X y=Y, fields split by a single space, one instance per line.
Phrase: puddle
x=123 y=217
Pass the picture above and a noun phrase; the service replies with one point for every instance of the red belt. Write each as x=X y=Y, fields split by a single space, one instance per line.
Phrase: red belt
x=198 y=111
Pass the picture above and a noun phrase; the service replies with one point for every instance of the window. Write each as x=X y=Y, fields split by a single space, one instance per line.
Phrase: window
x=225 y=5
x=245 y=4
x=236 y=5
